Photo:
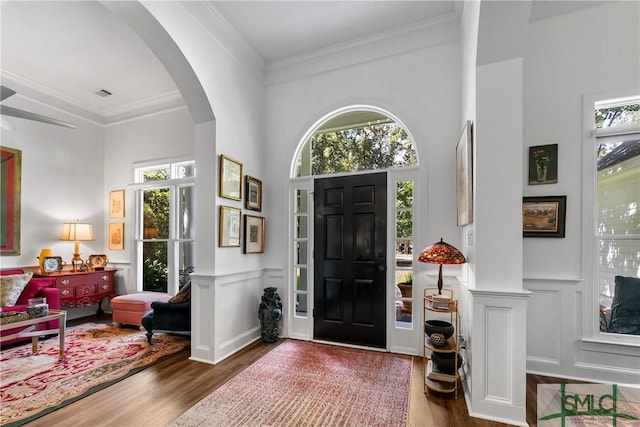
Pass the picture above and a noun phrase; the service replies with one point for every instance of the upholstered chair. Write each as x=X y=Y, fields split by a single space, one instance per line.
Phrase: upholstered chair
x=625 y=308
x=173 y=316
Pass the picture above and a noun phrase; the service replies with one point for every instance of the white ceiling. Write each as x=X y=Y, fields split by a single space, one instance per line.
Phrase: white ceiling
x=69 y=49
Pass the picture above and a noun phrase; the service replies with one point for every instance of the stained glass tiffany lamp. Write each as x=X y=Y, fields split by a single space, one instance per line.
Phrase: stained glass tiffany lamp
x=441 y=253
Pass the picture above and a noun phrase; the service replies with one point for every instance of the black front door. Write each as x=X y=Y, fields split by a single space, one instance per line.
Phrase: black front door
x=350 y=259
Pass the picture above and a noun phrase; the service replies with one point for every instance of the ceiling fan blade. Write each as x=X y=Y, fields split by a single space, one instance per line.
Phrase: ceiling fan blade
x=14 y=112
x=5 y=92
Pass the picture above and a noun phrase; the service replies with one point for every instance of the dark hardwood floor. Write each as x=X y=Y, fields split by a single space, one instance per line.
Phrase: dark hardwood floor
x=162 y=392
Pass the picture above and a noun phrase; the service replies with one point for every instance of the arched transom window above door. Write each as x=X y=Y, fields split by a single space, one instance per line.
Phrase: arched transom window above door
x=357 y=140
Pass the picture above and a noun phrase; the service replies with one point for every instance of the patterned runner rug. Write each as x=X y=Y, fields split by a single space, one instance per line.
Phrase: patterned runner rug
x=96 y=356
x=305 y=384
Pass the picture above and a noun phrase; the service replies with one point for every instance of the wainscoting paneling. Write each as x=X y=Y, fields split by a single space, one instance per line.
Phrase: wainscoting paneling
x=498 y=354
x=556 y=341
x=544 y=314
x=225 y=312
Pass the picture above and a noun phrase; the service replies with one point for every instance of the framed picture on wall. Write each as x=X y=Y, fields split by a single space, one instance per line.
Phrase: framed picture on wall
x=464 y=176
x=116 y=236
x=116 y=204
x=230 y=178
x=544 y=216
x=253 y=193
x=543 y=164
x=229 y=227
x=10 y=189
x=253 y=234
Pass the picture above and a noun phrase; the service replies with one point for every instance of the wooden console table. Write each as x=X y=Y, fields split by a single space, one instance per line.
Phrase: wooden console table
x=28 y=328
x=84 y=288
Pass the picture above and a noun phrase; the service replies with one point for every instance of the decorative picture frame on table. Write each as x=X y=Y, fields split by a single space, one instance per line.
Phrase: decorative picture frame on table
x=116 y=236
x=464 y=175
x=543 y=164
x=229 y=227
x=10 y=197
x=116 y=204
x=253 y=234
x=230 y=178
x=253 y=193
x=544 y=216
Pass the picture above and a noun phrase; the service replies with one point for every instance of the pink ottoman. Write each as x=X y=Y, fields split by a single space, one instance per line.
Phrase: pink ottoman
x=129 y=309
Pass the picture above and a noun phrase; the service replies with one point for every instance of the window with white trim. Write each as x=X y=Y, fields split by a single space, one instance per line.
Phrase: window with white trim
x=165 y=227
x=616 y=217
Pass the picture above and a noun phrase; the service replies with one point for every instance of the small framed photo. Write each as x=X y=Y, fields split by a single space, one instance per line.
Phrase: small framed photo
x=543 y=164
x=116 y=204
x=253 y=193
x=116 y=236
x=253 y=234
x=544 y=216
x=230 y=178
x=229 y=227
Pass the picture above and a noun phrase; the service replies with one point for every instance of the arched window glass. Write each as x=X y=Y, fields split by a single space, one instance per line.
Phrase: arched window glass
x=356 y=141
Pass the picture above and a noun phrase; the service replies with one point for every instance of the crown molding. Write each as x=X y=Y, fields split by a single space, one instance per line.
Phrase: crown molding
x=50 y=97
x=421 y=35
x=144 y=107
x=44 y=95
x=227 y=37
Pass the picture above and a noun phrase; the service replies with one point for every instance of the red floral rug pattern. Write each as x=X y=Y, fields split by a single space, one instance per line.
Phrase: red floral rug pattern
x=32 y=385
x=306 y=384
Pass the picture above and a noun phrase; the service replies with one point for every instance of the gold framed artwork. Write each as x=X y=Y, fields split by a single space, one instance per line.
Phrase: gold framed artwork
x=10 y=196
x=229 y=227
x=464 y=175
x=116 y=204
x=253 y=234
x=544 y=216
x=253 y=193
x=230 y=178
x=116 y=236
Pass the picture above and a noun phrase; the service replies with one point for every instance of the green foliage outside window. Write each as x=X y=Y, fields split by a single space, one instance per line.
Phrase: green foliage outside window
x=616 y=116
x=358 y=149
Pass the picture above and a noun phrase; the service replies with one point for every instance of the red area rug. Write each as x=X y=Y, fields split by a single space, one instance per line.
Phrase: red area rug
x=96 y=356
x=305 y=384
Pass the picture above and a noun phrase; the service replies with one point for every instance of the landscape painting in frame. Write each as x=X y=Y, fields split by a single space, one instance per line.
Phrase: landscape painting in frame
x=10 y=184
x=544 y=216
x=543 y=164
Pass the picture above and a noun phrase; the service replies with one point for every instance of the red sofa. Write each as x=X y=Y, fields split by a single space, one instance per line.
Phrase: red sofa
x=37 y=287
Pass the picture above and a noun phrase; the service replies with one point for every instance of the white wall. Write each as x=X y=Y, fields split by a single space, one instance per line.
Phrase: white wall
x=236 y=95
x=161 y=136
x=422 y=90
x=62 y=180
x=600 y=53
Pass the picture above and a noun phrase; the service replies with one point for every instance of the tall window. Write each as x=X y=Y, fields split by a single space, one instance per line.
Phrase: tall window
x=301 y=253
x=404 y=253
x=165 y=229
x=617 y=214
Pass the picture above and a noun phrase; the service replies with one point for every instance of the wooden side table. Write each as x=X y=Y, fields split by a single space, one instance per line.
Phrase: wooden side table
x=84 y=288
